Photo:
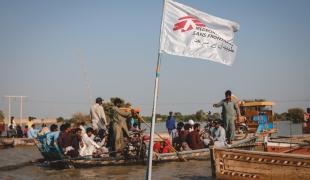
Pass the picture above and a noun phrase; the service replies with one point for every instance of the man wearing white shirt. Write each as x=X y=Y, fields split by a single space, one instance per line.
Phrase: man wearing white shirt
x=97 y=114
x=89 y=145
x=218 y=135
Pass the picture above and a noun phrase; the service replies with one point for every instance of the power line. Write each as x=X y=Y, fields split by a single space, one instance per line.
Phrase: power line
x=160 y=103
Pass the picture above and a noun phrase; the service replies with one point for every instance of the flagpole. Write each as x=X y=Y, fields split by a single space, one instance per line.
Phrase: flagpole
x=150 y=152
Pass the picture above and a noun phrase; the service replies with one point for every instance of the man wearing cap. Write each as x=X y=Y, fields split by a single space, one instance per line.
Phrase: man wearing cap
x=191 y=122
x=229 y=110
x=97 y=115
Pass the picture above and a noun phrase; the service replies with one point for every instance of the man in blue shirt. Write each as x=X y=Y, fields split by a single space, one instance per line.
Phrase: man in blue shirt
x=32 y=132
x=262 y=120
x=170 y=122
x=52 y=136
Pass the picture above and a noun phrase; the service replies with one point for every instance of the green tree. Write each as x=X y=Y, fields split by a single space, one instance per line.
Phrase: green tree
x=296 y=115
x=60 y=120
x=80 y=117
x=178 y=116
x=200 y=115
x=283 y=116
x=107 y=106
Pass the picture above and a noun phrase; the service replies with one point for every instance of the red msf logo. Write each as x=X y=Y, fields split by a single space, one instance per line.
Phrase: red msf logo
x=187 y=23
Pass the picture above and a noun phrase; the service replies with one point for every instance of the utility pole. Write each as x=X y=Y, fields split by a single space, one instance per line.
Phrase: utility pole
x=21 y=107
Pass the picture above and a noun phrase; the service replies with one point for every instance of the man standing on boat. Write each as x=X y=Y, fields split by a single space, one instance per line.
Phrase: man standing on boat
x=229 y=110
x=98 y=118
x=118 y=126
x=170 y=123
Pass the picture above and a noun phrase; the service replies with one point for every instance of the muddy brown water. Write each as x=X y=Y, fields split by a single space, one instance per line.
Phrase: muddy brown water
x=194 y=170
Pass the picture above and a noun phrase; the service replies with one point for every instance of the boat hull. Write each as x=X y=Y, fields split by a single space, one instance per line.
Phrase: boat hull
x=295 y=145
x=12 y=142
x=244 y=164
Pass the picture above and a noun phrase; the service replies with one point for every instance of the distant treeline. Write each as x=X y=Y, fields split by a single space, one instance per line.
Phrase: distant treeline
x=198 y=116
x=293 y=114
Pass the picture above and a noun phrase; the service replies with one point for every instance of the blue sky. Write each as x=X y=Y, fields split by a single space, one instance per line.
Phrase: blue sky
x=42 y=44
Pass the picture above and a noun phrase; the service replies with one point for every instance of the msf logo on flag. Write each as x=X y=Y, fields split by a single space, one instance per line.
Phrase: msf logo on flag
x=187 y=23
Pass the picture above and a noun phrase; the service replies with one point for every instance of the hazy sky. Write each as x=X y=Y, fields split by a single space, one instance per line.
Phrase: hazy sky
x=42 y=45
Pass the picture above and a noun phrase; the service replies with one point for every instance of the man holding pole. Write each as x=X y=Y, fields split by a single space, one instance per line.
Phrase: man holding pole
x=118 y=126
x=229 y=111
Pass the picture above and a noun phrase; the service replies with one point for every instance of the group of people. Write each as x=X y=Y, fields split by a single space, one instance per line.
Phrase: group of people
x=16 y=130
x=103 y=137
x=189 y=136
x=109 y=135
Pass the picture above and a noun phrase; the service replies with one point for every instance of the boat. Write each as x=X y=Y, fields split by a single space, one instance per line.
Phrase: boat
x=249 y=109
x=232 y=163
x=55 y=159
x=297 y=144
x=12 y=142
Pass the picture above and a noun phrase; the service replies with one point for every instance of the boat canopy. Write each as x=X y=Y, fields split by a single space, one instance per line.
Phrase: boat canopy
x=258 y=103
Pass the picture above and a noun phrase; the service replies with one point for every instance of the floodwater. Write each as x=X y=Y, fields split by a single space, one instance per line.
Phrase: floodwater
x=191 y=170
x=195 y=170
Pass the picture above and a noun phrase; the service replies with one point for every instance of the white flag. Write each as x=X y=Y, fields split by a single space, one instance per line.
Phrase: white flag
x=192 y=33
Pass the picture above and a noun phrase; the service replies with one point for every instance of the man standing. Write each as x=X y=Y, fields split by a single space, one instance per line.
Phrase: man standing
x=170 y=123
x=118 y=126
x=229 y=110
x=12 y=122
x=97 y=115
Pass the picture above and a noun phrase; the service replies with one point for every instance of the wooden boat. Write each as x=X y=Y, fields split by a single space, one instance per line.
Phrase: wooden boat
x=249 y=109
x=246 y=164
x=12 y=142
x=88 y=161
x=295 y=144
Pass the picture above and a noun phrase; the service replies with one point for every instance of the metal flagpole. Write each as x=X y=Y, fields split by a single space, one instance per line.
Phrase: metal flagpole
x=150 y=153
x=9 y=109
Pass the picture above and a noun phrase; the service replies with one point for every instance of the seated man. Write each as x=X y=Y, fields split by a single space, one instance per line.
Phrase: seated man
x=32 y=132
x=218 y=135
x=65 y=140
x=89 y=145
x=175 y=135
x=44 y=130
x=193 y=138
x=52 y=136
x=76 y=143
x=162 y=146
x=11 y=132
x=183 y=136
